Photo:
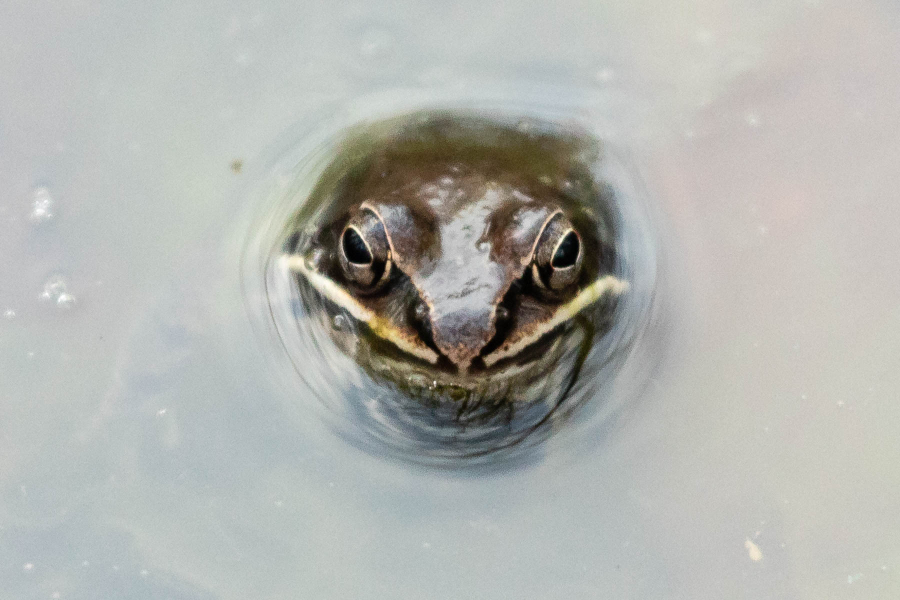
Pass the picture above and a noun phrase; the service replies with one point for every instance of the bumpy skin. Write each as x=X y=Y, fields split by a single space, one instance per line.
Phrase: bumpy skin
x=463 y=202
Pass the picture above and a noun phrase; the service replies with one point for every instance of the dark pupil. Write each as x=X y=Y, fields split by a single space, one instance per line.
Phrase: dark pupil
x=355 y=248
x=567 y=252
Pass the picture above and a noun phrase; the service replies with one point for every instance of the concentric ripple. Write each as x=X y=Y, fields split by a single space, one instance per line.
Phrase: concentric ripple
x=387 y=406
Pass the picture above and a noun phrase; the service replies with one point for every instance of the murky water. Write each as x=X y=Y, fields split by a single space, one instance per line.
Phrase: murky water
x=147 y=448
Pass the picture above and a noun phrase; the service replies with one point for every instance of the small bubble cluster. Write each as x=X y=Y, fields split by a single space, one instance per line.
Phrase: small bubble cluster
x=41 y=205
x=56 y=291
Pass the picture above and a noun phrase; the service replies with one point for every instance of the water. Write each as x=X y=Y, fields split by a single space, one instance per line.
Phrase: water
x=145 y=450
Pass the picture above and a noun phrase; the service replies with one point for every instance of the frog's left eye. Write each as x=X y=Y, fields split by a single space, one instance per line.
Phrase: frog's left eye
x=558 y=255
x=365 y=254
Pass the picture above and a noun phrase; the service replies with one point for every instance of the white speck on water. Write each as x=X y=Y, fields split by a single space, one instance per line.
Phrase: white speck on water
x=9 y=314
x=161 y=412
x=840 y=404
x=752 y=119
x=28 y=567
x=483 y=246
x=854 y=578
x=41 y=205
x=763 y=230
x=144 y=572
x=803 y=396
x=753 y=550
x=426 y=545
x=85 y=563
x=55 y=595
x=243 y=59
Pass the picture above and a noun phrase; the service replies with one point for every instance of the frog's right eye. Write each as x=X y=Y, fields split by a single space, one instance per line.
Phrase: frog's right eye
x=365 y=254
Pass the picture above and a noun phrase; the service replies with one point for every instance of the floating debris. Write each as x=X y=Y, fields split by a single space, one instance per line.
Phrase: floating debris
x=753 y=550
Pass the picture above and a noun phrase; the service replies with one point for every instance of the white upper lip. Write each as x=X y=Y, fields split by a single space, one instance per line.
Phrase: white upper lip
x=606 y=285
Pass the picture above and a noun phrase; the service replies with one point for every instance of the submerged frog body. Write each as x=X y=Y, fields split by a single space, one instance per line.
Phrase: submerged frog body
x=461 y=257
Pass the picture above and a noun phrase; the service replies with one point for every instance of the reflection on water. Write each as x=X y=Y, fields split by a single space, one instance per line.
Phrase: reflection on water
x=389 y=401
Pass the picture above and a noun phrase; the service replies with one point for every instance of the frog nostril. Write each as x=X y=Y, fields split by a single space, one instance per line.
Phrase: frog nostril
x=421 y=320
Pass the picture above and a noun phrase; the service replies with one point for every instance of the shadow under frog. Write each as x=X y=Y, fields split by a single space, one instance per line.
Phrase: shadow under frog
x=468 y=266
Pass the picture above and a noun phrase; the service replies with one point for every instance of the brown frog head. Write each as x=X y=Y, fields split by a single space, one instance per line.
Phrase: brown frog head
x=461 y=249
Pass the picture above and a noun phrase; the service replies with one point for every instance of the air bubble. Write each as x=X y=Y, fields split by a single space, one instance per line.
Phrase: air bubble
x=65 y=301
x=41 y=205
x=339 y=322
x=9 y=314
x=57 y=291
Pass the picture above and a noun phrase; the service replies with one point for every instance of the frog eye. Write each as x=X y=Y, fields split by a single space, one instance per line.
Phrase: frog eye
x=557 y=255
x=364 y=253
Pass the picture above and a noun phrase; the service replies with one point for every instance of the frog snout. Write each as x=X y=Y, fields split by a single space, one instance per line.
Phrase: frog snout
x=461 y=334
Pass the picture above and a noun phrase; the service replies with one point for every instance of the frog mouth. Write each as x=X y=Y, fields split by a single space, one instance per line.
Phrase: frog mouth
x=538 y=372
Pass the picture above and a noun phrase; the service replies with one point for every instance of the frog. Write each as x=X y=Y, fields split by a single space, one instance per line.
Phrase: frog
x=458 y=255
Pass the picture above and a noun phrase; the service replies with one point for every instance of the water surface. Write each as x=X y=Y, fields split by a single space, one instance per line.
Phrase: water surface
x=146 y=450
